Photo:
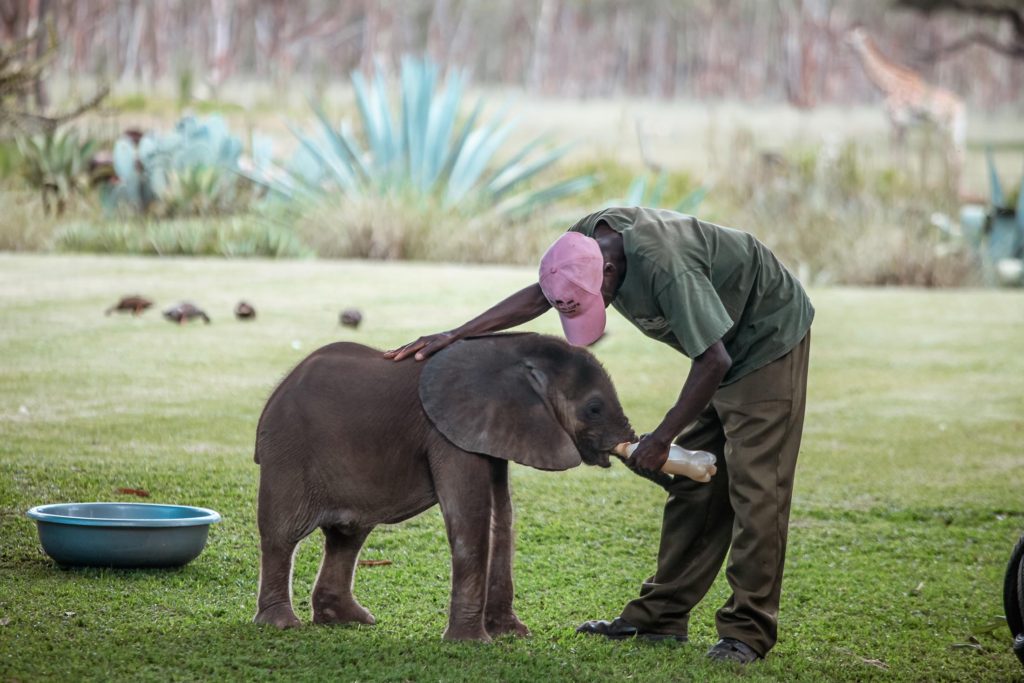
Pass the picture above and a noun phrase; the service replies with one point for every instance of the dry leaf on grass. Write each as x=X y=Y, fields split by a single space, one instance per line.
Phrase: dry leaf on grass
x=971 y=644
x=877 y=663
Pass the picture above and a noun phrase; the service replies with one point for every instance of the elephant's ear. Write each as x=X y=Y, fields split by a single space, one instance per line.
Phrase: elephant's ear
x=486 y=397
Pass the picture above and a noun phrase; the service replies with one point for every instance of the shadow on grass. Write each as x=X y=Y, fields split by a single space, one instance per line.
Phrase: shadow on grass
x=370 y=653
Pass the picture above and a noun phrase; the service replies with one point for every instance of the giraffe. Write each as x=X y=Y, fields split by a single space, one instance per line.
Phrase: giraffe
x=910 y=100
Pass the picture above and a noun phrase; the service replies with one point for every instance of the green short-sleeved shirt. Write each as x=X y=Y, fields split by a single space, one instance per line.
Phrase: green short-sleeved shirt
x=690 y=283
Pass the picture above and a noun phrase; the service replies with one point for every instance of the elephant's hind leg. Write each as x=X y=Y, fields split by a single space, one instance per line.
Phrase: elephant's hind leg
x=275 y=599
x=333 y=602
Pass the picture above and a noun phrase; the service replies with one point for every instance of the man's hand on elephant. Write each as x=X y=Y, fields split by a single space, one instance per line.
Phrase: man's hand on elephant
x=424 y=347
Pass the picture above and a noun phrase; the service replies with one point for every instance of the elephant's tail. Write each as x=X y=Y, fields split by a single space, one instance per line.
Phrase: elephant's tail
x=265 y=445
x=256 y=450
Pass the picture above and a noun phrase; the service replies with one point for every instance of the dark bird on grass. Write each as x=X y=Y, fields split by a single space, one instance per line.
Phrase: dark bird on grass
x=184 y=312
x=351 y=317
x=244 y=311
x=134 y=304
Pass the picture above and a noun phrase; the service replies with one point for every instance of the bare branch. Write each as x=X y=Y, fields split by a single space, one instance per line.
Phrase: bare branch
x=30 y=122
x=321 y=25
x=994 y=9
x=1015 y=50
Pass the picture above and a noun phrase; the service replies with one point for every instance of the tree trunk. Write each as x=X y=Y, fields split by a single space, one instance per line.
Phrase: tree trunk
x=13 y=16
x=133 y=50
x=37 y=25
x=542 y=36
x=221 y=57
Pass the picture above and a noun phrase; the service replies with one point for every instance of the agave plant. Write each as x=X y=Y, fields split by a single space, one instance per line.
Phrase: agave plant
x=997 y=233
x=57 y=164
x=423 y=150
x=638 y=194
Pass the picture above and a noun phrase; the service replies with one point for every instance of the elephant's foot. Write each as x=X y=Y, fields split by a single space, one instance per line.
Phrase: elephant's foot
x=464 y=632
x=507 y=624
x=279 y=615
x=332 y=609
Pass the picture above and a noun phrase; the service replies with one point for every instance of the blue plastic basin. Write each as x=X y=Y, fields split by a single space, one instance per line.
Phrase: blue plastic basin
x=122 y=534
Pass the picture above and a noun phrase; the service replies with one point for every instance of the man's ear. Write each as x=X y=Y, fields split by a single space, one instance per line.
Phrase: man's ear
x=610 y=277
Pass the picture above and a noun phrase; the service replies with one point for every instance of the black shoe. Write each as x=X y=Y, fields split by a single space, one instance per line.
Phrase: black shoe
x=732 y=650
x=620 y=629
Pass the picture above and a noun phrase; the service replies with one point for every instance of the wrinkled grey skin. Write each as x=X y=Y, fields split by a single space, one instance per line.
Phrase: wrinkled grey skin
x=350 y=440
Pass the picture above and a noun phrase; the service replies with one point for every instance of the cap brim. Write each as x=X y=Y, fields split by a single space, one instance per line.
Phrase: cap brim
x=587 y=326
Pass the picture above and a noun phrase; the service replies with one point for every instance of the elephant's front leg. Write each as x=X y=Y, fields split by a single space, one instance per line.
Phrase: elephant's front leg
x=499 y=618
x=462 y=481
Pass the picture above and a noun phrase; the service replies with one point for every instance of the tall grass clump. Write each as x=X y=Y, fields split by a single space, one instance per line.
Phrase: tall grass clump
x=619 y=184
x=10 y=158
x=834 y=218
x=397 y=228
x=45 y=180
x=231 y=236
x=25 y=225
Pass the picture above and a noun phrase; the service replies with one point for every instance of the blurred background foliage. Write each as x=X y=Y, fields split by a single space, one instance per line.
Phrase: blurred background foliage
x=471 y=131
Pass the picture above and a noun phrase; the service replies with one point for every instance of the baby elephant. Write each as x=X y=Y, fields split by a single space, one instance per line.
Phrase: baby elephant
x=350 y=440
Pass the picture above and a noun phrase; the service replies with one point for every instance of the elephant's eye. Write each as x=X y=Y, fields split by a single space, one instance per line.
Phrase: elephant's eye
x=593 y=409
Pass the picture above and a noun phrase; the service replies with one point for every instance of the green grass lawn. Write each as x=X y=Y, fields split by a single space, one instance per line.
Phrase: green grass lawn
x=908 y=497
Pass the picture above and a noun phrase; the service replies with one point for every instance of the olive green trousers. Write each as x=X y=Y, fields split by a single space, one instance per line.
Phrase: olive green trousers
x=753 y=426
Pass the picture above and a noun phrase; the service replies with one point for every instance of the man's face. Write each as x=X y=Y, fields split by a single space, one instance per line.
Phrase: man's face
x=610 y=284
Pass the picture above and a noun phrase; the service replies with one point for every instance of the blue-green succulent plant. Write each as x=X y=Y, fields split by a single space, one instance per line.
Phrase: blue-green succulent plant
x=996 y=233
x=193 y=169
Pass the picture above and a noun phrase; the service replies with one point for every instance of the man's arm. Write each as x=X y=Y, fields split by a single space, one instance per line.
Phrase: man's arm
x=706 y=374
x=521 y=307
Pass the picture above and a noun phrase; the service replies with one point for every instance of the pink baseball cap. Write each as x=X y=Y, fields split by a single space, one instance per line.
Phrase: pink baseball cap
x=571 y=273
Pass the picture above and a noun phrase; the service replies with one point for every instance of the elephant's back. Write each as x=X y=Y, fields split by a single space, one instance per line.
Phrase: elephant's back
x=340 y=392
x=346 y=429
x=346 y=368
x=355 y=369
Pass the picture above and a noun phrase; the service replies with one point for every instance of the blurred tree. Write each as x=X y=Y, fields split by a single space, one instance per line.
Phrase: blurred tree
x=39 y=16
x=21 y=73
x=751 y=49
x=1011 y=11
x=806 y=37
